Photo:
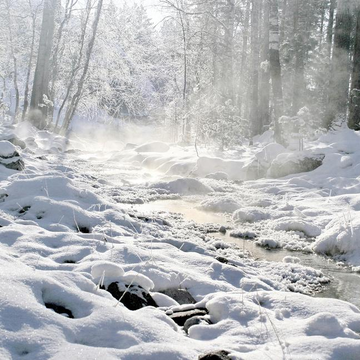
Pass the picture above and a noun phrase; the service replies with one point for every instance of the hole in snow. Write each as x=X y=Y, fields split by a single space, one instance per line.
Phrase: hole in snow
x=24 y=209
x=69 y=262
x=84 y=229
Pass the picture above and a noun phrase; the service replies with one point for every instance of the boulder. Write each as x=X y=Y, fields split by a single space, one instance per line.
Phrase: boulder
x=294 y=163
x=135 y=297
x=195 y=320
x=181 y=296
x=17 y=165
x=180 y=317
x=216 y=355
x=16 y=141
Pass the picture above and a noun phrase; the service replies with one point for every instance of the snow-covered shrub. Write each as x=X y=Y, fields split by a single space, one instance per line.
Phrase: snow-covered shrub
x=302 y=126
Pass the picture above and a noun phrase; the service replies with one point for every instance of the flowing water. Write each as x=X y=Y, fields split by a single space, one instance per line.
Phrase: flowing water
x=345 y=285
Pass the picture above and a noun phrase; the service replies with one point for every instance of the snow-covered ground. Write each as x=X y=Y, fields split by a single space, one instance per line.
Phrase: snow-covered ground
x=72 y=225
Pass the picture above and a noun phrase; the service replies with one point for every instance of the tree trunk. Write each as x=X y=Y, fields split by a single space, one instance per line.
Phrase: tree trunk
x=275 y=67
x=254 y=110
x=354 y=117
x=14 y=59
x=228 y=84
x=76 y=66
x=76 y=97
x=243 y=67
x=42 y=72
x=340 y=74
x=31 y=56
x=330 y=31
x=299 y=80
x=265 y=72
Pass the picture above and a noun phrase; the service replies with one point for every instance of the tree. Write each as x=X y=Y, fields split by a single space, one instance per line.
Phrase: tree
x=40 y=90
x=275 y=67
x=339 y=81
x=354 y=117
x=76 y=97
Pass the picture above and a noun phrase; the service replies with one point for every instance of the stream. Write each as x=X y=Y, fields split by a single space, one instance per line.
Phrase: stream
x=344 y=285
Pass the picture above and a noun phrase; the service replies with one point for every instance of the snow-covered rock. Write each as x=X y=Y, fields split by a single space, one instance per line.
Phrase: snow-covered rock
x=293 y=163
x=7 y=150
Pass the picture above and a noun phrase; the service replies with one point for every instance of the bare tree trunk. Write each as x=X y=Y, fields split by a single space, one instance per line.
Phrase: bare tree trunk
x=243 y=67
x=14 y=59
x=56 y=53
x=299 y=80
x=322 y=21
x=42 y=72
x=254 y=114
x=76 y=65
x=275 y=67
x=284 y=11
x=354 y=117
x=228 y=84
x=31 y=56
x=340 y=74
x=265 y=71
x=76 y=97
x=330 y=28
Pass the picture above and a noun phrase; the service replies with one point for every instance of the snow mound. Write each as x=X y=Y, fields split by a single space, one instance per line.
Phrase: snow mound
x=133 y=277
x=340 y=238
x=220 y=204
x=7 y=149
x=106 y=269
x=288 y=224
x=291 y=260
x=156 y=146
x=184 y=186
x=269 y=153
x=250 y=214
x=324 y=324
x=209 y=165
x=219 y=175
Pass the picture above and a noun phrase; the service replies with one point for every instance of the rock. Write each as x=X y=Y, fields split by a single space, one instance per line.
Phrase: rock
x=222 y=230
x=293 y=163
x=181 y=317
x=60 y=310
x=135 y=298
x=195 y=320
x=17 y=142
x=7 y=150
x=216 y=355
x=255 y=170
x=14 y=165
x=181 y=296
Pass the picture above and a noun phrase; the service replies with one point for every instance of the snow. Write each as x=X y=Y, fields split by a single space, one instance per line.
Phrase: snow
x=155 y=146
x=69 y=221
x=184 y=186
x=7 y=149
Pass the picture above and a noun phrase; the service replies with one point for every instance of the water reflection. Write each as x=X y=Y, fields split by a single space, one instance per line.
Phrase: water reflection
x=345 y=284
